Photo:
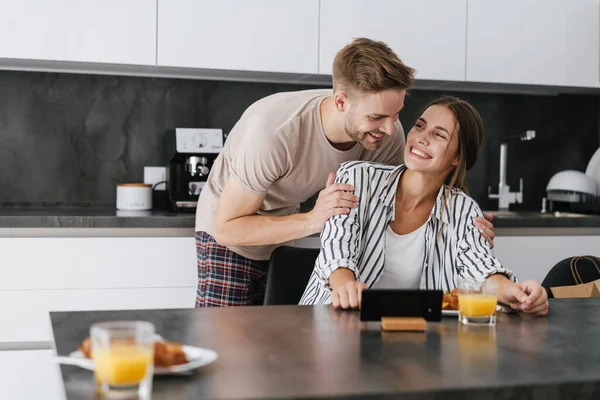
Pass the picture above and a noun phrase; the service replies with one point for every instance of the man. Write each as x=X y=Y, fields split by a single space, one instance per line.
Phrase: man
x=280 y=153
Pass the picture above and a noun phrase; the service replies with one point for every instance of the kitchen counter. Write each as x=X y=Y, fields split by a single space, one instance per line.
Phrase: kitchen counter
x=108 y=217
x=84 y=217
x=527 y=223
x=528 y=219
x=316 y=352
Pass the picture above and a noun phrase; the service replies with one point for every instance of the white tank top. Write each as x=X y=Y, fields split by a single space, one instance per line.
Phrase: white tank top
x=404 y=255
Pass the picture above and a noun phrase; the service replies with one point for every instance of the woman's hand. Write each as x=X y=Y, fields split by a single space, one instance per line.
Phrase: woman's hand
x=529 y=297
x=345 y=291
x=348 y=295
x=537 y=298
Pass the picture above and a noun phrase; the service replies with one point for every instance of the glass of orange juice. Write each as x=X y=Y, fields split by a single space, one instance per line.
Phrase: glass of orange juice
x=123 y=354
x=477 y=301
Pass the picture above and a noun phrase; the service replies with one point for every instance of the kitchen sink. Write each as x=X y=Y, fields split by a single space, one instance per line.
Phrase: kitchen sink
x=533 y=214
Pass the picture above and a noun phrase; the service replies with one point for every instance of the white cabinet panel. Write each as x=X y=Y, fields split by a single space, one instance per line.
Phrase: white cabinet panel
x=38 y=275
x=257 y=35
x=30 y=374
x=531 y=257
x=77 y=263
x=583 y=43
x=542 y=42
x=25 y=318
x=104 y=31
x=428 y=35
x=516 y=41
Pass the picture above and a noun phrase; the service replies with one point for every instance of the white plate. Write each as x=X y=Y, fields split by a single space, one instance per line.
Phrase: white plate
x=197 y=356
x=449 y=313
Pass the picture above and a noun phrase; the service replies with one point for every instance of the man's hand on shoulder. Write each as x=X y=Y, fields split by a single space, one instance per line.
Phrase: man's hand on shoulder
x=486 y=227
x=335 y=199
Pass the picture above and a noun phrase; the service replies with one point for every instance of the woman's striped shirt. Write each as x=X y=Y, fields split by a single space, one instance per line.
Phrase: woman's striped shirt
x=453 y=246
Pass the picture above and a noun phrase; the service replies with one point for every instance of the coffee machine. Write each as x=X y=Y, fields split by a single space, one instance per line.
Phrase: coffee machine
x=190 y=154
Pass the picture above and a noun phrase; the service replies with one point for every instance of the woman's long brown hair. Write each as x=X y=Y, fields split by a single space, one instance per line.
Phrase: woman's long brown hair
x=469 y=128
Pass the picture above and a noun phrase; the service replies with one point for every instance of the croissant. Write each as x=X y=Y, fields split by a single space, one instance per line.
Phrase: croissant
x=450 y=300
x=166 y=354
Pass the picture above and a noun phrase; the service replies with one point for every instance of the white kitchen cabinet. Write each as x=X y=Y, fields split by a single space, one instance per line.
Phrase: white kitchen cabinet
x=531 y=257
x=583 y=43
x=540 y=42
x=30 y=374
x=428 y=35
x=38 y=275
x=257 y=35
x=103 y=31
x=97 y=262
x=25 y=313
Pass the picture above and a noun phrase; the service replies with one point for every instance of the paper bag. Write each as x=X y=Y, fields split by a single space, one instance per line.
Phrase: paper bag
x=580 y=289
x=590 y=289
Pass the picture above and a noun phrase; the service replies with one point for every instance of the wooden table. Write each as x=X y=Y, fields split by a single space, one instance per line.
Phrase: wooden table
x=305 y=352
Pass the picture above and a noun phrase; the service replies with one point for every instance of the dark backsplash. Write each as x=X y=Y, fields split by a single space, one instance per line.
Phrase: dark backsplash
x=567 y=135
x=70 y=138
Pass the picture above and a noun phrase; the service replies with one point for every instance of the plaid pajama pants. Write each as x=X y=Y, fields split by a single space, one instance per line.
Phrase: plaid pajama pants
x=225 y=278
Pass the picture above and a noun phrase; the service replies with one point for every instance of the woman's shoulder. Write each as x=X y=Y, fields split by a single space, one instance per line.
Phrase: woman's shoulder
x=368 y=167
x=370 y=179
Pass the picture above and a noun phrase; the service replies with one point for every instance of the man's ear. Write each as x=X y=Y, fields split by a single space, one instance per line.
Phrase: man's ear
x=340 y=100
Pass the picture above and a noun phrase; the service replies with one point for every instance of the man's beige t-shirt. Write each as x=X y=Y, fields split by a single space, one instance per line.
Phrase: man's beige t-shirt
x=279 y=147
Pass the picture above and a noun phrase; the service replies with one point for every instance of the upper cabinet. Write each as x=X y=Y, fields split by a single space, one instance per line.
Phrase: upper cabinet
x=539 y=42
x=552 y=43
x=256 y=35
x=428 y=35
x=582 y=43
x=105 y=31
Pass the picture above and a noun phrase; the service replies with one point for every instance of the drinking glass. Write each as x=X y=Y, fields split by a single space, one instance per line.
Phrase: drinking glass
x=477 y=301
x=123 y=354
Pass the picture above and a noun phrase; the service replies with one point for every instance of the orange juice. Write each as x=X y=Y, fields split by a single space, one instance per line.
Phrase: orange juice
x=477 y=305
x=122 y=364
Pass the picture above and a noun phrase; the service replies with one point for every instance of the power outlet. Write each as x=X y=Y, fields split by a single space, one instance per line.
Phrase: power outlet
x=154 y=175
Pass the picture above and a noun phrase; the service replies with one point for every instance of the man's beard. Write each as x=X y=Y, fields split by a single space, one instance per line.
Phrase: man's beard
x=357 y=135
x=352 y=130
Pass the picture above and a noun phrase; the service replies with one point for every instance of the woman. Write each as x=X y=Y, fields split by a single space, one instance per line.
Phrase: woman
x=414 y=224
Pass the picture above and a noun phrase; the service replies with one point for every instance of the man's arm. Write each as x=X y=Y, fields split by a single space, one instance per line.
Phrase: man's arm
x=237 y=224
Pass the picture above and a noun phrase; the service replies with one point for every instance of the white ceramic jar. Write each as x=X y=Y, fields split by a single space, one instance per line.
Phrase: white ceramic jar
x=134 y=196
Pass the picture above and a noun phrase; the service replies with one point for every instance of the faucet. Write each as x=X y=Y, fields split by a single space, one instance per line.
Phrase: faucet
x=505 y=196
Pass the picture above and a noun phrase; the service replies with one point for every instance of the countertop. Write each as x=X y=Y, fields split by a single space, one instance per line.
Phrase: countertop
x=528 y=219
x=109 y=217
x=90 y=217
x=316 y=352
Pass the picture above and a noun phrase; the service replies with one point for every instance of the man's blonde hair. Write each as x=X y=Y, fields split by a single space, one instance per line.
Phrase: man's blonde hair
x=370 y=66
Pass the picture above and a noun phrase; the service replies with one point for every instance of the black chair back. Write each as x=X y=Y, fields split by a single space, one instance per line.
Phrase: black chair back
x=572 y=271
x=289 y=271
